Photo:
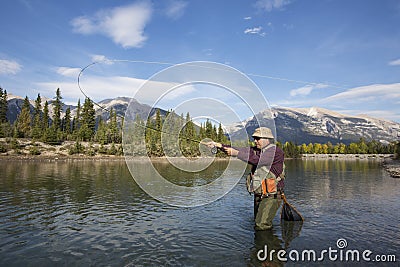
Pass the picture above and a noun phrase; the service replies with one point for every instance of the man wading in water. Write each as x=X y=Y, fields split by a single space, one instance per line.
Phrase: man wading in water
x=266 y=179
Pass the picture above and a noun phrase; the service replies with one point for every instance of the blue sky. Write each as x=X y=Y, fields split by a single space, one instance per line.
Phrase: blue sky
x=340 y=55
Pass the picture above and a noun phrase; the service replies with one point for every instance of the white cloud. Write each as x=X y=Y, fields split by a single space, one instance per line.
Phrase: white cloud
x=306 y=90
x=68 y=72
x=9 y=67
x=102 y=59
x=374 y=93
x=255 y=30
x=84 y=25
x=176 y=9
x=124 y=25
x=247 y=18
x=395 y=62
x=269 y=5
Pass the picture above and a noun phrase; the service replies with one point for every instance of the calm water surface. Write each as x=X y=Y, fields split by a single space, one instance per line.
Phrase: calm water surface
x=94 y=214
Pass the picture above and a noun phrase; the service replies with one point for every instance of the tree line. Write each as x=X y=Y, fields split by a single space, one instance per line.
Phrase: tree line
x=38 y=124
x=361 y=147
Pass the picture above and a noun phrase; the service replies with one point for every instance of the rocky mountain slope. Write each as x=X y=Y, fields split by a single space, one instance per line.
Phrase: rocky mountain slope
x=318 y=125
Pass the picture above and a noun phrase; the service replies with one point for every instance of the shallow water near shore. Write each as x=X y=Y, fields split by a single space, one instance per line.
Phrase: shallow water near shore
x=93 y=213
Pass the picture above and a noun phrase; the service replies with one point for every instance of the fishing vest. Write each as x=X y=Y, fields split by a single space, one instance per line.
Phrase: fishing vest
x=263 y=181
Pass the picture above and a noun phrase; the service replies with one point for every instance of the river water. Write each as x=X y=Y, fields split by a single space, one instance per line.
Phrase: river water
x=92 y=213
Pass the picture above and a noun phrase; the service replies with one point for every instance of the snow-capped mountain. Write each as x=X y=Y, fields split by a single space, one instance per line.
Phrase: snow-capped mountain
x=305 y=125
x=120 y=105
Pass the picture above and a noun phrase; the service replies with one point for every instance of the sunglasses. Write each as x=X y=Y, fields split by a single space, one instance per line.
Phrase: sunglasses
x=256 y=138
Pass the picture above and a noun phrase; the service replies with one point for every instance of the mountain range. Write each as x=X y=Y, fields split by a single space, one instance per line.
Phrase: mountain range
x=299 y=125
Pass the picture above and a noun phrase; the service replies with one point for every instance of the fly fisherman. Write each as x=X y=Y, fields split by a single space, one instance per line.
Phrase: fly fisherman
x=266 y=179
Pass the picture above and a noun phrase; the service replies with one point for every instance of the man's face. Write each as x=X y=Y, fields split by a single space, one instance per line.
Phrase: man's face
x=261 y=142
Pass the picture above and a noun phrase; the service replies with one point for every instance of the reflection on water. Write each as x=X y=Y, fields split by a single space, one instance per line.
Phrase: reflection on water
x=93 y=213
x=180 y=188
x=267 y=244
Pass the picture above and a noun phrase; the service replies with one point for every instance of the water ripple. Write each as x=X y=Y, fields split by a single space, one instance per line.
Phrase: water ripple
x=95 y=214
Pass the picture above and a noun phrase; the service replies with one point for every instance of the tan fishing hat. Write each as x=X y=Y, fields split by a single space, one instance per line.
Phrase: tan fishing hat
x=263 y=132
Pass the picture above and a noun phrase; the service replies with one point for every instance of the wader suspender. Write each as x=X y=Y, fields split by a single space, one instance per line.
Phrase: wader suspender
x=269 y=185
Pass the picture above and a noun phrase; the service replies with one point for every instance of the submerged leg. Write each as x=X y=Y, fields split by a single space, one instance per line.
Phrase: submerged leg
x=266 y=212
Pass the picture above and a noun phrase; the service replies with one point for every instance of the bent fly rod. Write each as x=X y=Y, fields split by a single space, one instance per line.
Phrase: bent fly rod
x=214 y=149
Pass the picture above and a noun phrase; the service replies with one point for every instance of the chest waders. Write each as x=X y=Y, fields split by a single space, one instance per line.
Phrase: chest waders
x=264 y=184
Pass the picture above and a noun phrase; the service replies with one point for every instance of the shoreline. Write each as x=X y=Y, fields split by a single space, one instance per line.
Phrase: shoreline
x=49 y=158
x=346 y=156
x=76 y=157
x=392 y=166
x=388 y=163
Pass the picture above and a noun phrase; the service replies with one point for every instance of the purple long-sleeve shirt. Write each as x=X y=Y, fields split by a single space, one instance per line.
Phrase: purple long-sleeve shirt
x=272 y=157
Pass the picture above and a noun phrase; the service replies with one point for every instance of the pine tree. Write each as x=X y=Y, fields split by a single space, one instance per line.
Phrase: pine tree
x=52 y=132
x=221 y=138
x=149 y=136
x=57 y=106
x=188 y=133
x=87 y=129
x=137 y=131
x=76 y=121
x=78 y=116
x=209 y=130
x=157 y=146
x=113 y=127
x=397 y=150
x=291 y=150
x=67 y=122
x=3 y=105
x=46 y=116
x=101 y=133
x=133 y=138
x=37 y=119
x=45 y=122
x=24 y=120
x=5 y=127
